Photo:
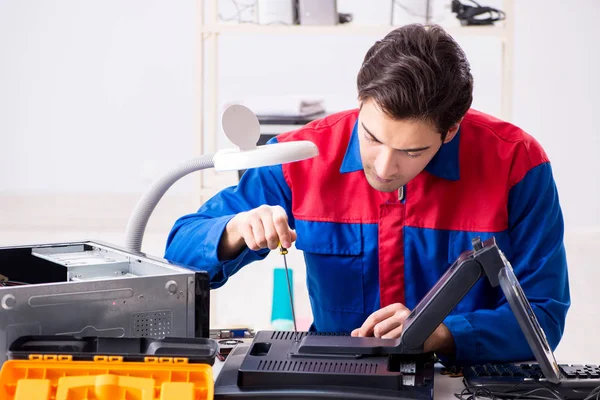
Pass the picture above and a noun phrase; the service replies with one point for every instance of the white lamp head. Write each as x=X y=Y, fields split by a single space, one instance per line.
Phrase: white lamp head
x=242 y=128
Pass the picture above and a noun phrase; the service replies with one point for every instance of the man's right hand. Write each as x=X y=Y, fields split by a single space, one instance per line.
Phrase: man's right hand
x=260 y=228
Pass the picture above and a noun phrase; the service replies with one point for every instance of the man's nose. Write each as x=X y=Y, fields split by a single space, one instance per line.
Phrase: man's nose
x=385 y=164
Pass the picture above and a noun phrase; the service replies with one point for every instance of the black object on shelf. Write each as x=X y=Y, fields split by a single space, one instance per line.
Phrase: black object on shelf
x=265 y=120
x=471 y=15
x=288 y=119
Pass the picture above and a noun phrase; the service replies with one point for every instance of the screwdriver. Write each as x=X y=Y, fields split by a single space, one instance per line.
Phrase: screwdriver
x=283 y=251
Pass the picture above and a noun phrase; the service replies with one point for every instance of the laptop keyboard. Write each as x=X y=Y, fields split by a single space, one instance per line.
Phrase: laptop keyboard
x=533 y=371
x=580 y=371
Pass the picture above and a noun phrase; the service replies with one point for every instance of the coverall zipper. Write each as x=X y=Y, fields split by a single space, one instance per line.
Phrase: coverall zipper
x=391 y=250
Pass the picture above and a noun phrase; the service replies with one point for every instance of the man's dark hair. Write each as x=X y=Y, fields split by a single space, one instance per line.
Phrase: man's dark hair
x=418 y=72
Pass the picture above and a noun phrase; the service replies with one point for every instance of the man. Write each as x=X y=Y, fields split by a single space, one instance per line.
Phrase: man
x=401 y=186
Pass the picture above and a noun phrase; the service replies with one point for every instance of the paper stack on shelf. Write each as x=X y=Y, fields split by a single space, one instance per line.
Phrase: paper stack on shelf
x=284 y=106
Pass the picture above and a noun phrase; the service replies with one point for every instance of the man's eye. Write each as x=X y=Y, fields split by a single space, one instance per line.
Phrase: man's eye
x=414 y=155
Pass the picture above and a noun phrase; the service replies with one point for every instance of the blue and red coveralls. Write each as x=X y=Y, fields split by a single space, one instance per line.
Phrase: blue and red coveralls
x=365 y=249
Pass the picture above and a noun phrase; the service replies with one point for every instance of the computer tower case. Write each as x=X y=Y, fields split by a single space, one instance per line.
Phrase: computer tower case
x=94 y=289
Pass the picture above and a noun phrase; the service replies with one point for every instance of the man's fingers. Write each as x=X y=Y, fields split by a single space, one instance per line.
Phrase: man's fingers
x=391 y=324
x=270 y=233
x=385 y=326
x=265 y=227
x=384 y=313
x=280 y=221
x=259 y=232
x=394 y=333
x=248 y=235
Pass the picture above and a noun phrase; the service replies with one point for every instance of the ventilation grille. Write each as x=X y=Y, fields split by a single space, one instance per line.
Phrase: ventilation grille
x=336 y=367
x=291 y=335
x=156 y=324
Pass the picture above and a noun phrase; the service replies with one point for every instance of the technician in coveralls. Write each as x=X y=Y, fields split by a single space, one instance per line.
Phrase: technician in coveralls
x=401 y=186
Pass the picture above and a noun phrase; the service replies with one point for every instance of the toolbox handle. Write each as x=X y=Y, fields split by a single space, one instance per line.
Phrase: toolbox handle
x=183 y=349
x=196 y=350
x=107 y=386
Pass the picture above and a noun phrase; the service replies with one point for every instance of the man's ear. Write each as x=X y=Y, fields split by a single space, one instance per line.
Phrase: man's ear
x=452 y=132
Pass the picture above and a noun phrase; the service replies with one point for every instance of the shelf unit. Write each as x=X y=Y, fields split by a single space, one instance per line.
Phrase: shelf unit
x=210 y=28
x=342 y=29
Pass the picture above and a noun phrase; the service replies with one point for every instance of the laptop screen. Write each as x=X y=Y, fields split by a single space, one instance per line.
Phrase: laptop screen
x=529 y=323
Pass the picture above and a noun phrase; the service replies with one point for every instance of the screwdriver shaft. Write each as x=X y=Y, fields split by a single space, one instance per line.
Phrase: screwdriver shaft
x=287 y=277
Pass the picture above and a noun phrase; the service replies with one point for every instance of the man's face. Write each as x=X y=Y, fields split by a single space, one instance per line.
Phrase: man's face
x=394 y=152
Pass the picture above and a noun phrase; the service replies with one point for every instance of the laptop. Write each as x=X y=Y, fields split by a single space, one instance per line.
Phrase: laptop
x=543 y=379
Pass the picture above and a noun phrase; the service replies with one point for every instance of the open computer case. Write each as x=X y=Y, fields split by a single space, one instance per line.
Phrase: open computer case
x=93 y=289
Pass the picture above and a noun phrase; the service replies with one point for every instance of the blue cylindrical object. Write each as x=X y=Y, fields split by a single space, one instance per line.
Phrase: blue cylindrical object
x=281 y=311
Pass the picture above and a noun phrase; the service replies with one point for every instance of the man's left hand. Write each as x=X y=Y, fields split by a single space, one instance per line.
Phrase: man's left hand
x=386 y=323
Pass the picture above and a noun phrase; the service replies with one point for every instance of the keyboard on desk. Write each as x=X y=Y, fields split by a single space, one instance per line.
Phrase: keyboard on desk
x=577 y=381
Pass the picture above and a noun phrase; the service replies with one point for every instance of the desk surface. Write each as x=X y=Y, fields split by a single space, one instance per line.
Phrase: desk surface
x=444 y=387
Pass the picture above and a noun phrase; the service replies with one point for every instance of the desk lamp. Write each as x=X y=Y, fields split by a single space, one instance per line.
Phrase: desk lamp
x=121 y=292
x=242 y=128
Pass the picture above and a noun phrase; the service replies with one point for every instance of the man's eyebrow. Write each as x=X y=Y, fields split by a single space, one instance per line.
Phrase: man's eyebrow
x=412 y=150
x=369 y=132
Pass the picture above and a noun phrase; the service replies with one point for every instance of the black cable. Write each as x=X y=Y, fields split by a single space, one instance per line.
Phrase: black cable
x=475 y=392
x=593 y=393
x=471 y=15
x=12 y=283
x=528 y=394
x=474 y=2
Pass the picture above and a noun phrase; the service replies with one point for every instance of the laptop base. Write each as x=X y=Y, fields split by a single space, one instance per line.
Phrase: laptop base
x=270 y=368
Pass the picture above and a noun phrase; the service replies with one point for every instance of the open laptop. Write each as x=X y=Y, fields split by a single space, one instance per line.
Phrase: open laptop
x=544 y=379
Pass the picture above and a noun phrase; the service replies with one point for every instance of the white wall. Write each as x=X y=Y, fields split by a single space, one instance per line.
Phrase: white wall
x=556 y=96
x=96 y=98
x=556 y=100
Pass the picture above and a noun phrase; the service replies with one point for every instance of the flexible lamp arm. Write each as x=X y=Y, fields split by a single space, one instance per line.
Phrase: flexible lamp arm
x=242 y=128
x=136 y=226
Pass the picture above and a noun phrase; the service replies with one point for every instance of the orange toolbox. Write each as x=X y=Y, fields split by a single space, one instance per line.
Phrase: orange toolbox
x=93 y=368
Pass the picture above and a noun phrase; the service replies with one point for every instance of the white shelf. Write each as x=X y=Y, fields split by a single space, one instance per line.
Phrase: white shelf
x=211 y=28
x=342 y=29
